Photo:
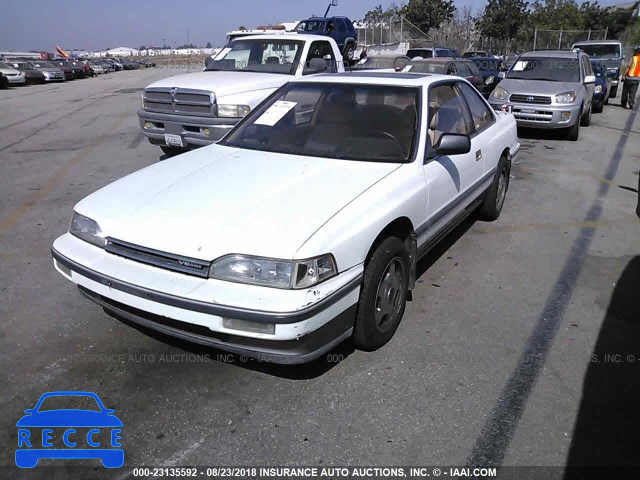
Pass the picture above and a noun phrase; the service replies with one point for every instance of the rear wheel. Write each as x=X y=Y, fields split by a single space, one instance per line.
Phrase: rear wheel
x=173 y=151
x=383 y=296
x=349 y=51
x=598 y=108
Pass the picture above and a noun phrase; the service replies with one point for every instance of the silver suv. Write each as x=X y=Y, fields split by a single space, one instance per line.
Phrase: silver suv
x=548 y=89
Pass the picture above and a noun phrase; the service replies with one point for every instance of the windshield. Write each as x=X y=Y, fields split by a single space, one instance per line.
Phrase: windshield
x=417 y=52
x=428 y=67
x=257 y=55
x=549 y=69
x=40 y=64
x=313 y=26
x=598 y=69
x=375 y=123
x=600 y=51
x=69 y=402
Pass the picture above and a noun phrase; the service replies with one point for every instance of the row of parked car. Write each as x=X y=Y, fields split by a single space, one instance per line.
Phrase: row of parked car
x=25 y=71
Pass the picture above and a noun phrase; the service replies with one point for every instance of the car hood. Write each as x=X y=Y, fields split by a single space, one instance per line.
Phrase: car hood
x=219 y=200
x=9 y=71
x=225 y=83
x=537 y=87
x=69 y=418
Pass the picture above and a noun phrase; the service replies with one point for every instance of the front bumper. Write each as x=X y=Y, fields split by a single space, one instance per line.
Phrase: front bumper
x=188 y=127
x=16 y=79
x=541 y=116
x=54 y=77
x=307 y=323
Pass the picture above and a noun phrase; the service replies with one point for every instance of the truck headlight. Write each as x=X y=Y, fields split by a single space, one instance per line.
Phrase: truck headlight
x=275 y=273
x=88 y=230
x=233 y=111
x=566 y=97
x=598 y=89
x=500 y=93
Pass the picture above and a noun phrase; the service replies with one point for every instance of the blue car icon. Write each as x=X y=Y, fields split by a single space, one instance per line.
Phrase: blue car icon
x=36 y=434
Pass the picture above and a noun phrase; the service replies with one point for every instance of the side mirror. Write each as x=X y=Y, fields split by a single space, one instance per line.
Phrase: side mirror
x=453 y=144
x=316 y=65
x=590 y=79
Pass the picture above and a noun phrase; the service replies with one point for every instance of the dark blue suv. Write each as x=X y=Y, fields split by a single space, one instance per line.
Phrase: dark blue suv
x=339 y=28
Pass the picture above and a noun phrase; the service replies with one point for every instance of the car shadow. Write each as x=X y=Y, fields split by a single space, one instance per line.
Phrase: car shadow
x=606 y=429
x=542 y=134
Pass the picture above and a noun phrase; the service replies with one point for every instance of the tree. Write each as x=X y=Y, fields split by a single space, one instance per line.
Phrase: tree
x=209 y=45
x=428 y=14
x=502 y=20
x=242 y=27
x=614 y=20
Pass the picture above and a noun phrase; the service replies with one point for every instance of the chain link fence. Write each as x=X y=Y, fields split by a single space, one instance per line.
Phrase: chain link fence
x=563 y=39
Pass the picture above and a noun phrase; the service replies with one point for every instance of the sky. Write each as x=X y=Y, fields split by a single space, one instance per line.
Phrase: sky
x=100 y=24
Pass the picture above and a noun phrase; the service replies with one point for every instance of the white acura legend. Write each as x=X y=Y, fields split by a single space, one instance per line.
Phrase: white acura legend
x=302 y=227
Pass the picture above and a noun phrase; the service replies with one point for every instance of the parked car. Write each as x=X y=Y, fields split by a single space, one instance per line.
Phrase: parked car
x=196 y=109
x=448 y=66
x=432 y=52
x=478 y=53
x=129 y=65
x=147 y=63
x=14 y=76
x=490 y=68
x=603 y=85
x=77 y=70
x=612 y=53
x=52 y=72
x=116 y=64
x=185 y=248
x=32 y=74
x=97 y=68
x=391 y=63
x=107 y=66
x=549 y=89
x=341 y=29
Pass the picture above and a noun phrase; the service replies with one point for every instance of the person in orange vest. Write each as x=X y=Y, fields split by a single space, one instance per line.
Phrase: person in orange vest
x=631 y=80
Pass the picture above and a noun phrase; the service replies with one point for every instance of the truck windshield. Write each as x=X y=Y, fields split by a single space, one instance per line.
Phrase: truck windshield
x=600 y=51
x=549 y=69
x=373 y=123
x=257 y=55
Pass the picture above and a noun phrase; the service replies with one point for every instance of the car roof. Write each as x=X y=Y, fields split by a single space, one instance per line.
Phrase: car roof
x=440 y=60
x=592 y=42
x=369 y=77
x=551 y=53
x=280 y=36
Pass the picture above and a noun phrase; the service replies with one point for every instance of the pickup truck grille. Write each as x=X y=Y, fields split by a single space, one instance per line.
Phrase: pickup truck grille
x=168 y=261
x=183 y=101
x=536 y=99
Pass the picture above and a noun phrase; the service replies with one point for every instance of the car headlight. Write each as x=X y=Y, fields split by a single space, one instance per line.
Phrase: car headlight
x=233 y=111
x=21 y=74
x=87 y=230
x=270 y=272
x=598 y=89
x=500 y=93
x=489 y=80
x=566 y=97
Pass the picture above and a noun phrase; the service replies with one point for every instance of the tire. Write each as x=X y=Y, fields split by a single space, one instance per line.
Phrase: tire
x=598 y=108
x=614 y=92
x=585 y=119
x=492 y=206
x=173 y=151
x=383 y=296
x=573 y=132
x=349 y=50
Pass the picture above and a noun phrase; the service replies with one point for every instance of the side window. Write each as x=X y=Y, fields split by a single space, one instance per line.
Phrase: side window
x=331 y=26
x=447 y=113
x=322 y=49
x=463 y=69
x=481 y=114
x=340 y=26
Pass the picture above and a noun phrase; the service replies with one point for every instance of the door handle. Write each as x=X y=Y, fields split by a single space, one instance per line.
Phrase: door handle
x=478 y=155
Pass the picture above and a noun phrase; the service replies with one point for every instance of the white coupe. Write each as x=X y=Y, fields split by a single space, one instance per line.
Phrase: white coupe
x=302 y=227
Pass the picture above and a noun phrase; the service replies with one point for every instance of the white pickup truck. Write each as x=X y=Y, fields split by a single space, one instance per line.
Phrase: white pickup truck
x=196 y=109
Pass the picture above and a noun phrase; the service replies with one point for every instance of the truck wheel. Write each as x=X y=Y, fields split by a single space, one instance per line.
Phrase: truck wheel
x=492 y=206
x=173 y=151
x=383 y=296
x=573 y=132
x=349 y=51
x=585 y=120
x=614 y=92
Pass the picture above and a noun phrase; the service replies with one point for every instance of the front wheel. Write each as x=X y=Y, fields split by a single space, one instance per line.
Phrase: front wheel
x=573 y=132
x=383 y=296
x=492 y=206
x=585 y=120
x=349 y=50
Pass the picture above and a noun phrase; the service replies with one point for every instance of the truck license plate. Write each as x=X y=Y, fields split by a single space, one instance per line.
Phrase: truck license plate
x=173 y=140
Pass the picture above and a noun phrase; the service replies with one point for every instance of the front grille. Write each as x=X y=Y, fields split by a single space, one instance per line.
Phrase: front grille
x=536 y=99
x=168 y=261
x=539 y=116
x=179 y=100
